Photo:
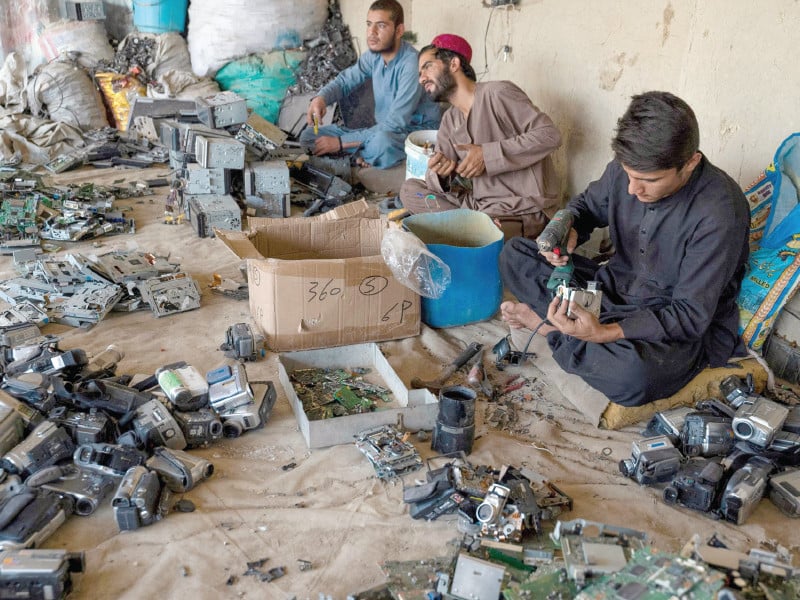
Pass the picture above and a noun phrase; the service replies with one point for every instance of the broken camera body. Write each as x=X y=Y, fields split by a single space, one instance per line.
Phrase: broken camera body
x=759 y=421
x=653 y=460
x=696 y=484
x=588 y=299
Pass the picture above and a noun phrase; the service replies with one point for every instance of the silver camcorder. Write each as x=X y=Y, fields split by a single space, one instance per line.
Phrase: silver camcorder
x=86 y=488
x=588 y=299
x=744 y=489
x=179 y=470
x=46 y=445
x=491 y=509
x=785 y=492
x=653 y=460
x=38 y=573
x=758 y=422
x=136 y=499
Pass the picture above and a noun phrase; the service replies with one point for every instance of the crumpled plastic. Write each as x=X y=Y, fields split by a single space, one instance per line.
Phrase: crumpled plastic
x=413 y=265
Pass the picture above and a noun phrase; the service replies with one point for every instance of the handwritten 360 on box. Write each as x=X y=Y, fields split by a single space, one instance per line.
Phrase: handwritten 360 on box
x=317 y=282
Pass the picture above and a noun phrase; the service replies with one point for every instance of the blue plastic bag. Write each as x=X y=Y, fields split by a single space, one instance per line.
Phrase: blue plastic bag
x=773 y=271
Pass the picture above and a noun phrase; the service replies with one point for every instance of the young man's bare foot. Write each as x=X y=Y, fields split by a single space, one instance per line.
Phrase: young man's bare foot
x=519 y=315
x=362 y=163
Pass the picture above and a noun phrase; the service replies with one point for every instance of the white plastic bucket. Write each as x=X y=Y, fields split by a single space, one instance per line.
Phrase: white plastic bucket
x=416 y=155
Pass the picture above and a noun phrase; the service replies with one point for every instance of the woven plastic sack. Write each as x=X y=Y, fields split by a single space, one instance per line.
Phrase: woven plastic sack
x=773 y=271
x=65 y=93
x=220 y=32
x=262 y=79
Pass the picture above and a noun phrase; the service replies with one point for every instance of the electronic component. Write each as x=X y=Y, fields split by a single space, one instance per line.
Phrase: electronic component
x=387 y=450
x=652 y=460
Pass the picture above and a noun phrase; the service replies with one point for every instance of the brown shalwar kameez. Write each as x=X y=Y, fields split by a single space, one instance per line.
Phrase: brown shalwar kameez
x=520 y=186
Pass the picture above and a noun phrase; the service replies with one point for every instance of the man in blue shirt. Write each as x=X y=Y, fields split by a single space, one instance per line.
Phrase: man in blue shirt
x=401 y=105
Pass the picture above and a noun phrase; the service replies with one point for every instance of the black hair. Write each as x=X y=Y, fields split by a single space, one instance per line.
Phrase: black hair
x=393 y=7
x=445 y=55
x=658 y=131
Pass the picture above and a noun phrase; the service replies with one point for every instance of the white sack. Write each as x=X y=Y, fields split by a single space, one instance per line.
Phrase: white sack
x=223 y=31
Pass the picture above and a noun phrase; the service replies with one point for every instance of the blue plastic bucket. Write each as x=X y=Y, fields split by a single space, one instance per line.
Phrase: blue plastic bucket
x=160 y=16
x=469 y=243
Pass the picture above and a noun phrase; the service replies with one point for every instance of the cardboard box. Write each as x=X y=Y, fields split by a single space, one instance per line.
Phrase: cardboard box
x=317 y=282
x=418 y=408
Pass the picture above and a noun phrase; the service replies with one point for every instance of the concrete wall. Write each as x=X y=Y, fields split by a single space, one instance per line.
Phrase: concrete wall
x=580 y=61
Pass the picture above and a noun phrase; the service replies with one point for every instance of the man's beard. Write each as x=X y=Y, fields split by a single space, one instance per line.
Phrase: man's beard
x=443 y=87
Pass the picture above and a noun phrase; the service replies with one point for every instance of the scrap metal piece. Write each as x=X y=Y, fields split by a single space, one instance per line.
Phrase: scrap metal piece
x=170 y=294
x=222 y=110
x=143 y=106
x=199 y=180
x=123 y=266
x=212 y=211
x=260 y=136
x=219 y=152
x=476 y=578
x=387 y=450
x=64 y=162
x=321 y=183
x=87 y=306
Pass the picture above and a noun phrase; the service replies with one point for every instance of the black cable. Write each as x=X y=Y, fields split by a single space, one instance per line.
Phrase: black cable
x=485 y=43
x=530 y=339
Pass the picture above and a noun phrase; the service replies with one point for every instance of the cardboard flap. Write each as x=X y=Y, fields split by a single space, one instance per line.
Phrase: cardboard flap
x=357 y=209
x=238 y=242
x=302 y=239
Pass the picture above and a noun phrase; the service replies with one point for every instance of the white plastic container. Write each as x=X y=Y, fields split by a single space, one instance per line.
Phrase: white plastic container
x=419 y=147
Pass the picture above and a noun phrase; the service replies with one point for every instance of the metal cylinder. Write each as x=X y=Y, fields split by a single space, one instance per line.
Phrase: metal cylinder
x=457 y=406
x=446 y=440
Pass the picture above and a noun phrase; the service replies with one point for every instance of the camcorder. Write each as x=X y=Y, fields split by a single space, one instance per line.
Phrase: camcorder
x=44 y=446
x=109 y=396
x=704 y=434
x=589 y=299
x=696 y=485
x=200 y=427
x=30 y=517
x=228 y=388
x=668 y=423
x=179 y=470
x=155 y=426
x=250 y=416
x=490 y=511
x=653 y=460
x=784 y=491
x=744 y=489
x=28 y=414
x=758 y=422
x=32 y=388
x=11 y=427
x=184 y=385
x=736 y=391
x=136 y=500
x=86 y=488
x=38 y=574
x=241 y=343
x=113 y=460
x=84 y=427
x=50 y=361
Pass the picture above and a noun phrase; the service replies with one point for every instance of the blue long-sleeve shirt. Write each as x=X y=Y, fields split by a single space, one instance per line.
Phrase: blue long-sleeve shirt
x=401 y=104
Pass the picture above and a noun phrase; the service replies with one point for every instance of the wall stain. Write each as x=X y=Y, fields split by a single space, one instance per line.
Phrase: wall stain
x=669 y=14
x=613 y=70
